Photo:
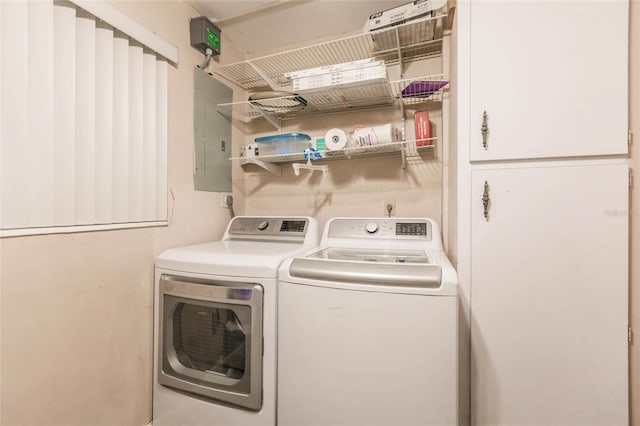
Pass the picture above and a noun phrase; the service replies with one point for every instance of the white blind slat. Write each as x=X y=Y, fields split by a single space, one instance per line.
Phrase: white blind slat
x=120 y=130
x=136 y=93
x=104 y=126
x=85 y=121
x=150 y=140
x=64 y=113
x=14 y=173
x=40 y=144
x=161 y=151
x=83 y=116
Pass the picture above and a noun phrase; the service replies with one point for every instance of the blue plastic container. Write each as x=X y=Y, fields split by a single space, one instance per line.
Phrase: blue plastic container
x=284 y=143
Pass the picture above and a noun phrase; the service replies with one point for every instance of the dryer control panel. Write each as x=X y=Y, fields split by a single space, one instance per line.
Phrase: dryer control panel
x=272 y=227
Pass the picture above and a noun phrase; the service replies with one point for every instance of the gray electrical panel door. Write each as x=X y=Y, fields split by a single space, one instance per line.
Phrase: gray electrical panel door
x=212 y=134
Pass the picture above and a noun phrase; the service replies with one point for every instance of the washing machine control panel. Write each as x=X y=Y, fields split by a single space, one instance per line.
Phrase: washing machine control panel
x=381 y=228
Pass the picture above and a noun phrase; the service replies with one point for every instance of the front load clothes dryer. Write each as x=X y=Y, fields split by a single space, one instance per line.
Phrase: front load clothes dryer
x=215 y=324
x=368 y=328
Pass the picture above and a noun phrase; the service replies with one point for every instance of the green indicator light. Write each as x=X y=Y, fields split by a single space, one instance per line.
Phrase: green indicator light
x=213 y=39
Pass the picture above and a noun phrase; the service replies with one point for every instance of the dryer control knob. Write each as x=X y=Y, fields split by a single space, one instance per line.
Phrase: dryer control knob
x=371 y=227
x=263 y=225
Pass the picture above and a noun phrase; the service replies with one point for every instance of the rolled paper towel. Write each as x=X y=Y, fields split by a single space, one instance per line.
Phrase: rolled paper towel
x=335 y=139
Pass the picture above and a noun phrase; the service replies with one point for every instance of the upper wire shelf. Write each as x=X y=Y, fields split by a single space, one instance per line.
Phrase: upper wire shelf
x=409 y=91
x=414 y=40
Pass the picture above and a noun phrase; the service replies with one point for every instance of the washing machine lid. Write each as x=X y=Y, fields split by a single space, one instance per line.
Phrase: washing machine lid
x=259 y=259
x=419 y=277
x=370 y=267
x=371 y=255
x=394 y=255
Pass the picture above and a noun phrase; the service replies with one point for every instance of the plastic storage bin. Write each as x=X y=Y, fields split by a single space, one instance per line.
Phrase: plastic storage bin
x=285 y=143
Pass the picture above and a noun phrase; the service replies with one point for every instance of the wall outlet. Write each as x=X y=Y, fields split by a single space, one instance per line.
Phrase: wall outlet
x=389 y=207
x=223 y=199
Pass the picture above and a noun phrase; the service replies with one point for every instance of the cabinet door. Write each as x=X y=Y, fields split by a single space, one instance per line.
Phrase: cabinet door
x=549 y=296
x=551 y=76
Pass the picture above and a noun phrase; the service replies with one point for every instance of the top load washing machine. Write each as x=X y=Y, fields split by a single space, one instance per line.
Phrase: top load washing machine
x=215 y=323
x=368 y=327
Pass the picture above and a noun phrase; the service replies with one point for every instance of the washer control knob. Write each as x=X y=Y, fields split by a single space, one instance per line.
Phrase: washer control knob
x=263 y=225
x=371 y=227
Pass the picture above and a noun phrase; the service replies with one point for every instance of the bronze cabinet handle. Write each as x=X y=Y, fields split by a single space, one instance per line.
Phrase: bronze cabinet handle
x=486 y=201
x=484 y=130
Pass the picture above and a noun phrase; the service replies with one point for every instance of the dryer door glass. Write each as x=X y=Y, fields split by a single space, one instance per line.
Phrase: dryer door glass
x=212 y=347
x=210 y=339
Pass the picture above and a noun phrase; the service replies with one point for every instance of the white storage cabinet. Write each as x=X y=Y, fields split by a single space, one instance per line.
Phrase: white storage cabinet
x=549 y=295
x=551 y=77
x=545 y=270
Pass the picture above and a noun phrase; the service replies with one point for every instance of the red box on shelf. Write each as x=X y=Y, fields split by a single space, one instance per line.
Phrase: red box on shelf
x=423 y=128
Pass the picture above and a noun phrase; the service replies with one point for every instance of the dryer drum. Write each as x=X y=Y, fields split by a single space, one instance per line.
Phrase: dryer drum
x=209 y=339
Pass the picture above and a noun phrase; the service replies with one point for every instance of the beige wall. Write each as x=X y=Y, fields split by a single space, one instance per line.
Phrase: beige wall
x=76 y=310
x=634 y=117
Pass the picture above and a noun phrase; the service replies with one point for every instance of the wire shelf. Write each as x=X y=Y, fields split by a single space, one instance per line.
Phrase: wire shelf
x=379 y=95
x=352 y=98
x=421 y=89
x=347 y=153
x=414 y=40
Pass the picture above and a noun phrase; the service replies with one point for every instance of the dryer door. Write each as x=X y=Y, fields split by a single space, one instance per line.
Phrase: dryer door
x=211 y=339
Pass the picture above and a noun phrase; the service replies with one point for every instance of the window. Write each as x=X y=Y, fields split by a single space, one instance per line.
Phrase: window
x=83 y=108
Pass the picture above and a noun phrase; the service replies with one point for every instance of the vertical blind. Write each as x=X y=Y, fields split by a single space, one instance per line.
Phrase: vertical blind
x=83 y=111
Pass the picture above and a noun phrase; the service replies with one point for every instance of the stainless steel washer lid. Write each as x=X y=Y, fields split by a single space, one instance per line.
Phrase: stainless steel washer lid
x=371 y=255
x=392 y=255
x=377 y=267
